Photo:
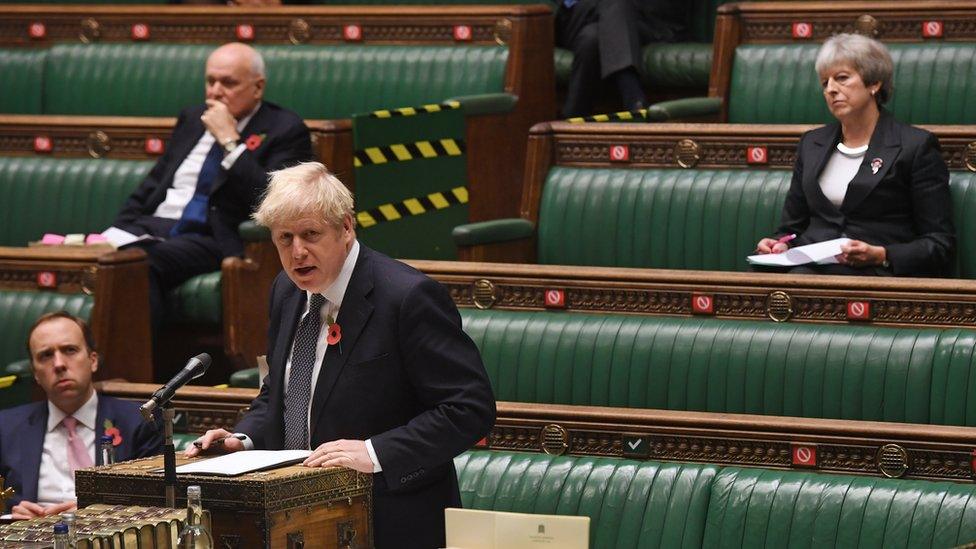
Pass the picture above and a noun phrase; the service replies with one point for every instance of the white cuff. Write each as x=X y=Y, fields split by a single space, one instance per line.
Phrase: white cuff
x=231 y=157
x=377 y=468
x=246 y=441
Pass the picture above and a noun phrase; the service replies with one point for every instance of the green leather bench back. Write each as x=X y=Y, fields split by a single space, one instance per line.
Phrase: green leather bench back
x=764 y=508
x=657 y=218
x=630 y=503
x=315 y=81
x=729 y=366
x=21 y=73
x=685 y=219
x=19 y=310
x=647 y=504
x=60 y=195
x=777 y=84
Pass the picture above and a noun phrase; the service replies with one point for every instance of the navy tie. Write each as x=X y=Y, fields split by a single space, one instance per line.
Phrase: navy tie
x=300 y=377
x=194 y=218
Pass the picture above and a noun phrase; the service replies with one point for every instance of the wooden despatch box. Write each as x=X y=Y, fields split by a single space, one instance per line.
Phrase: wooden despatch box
x=290 y=507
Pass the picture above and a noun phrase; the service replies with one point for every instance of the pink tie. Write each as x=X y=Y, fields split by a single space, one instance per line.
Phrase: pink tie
x=78 y=457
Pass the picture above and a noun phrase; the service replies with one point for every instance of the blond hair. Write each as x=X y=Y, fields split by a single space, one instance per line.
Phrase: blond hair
x=307 y=189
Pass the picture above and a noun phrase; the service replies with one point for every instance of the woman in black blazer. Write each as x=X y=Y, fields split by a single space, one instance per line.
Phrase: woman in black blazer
x=867 y=177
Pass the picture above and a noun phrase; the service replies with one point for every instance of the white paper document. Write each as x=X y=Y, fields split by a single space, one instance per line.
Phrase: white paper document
x=246 y=461
x=118 y=237
x=476 y=529
x=820 y=252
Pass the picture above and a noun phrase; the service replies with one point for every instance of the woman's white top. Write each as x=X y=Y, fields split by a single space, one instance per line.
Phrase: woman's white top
x=840 y=170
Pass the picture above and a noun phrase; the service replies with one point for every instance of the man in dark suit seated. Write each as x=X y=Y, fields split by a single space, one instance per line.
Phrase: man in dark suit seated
x=213 y=171
x=369 y=367
x=43 y=443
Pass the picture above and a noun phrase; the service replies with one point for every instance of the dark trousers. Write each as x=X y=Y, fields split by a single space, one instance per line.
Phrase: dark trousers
x=173 y=261
x=606 y=37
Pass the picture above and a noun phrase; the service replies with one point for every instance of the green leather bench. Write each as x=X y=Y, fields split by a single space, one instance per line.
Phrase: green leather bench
x=672 y=218
x=161 y=79
x=831 y=371
x=646 y=504
x=770 y=83
x=866 y=373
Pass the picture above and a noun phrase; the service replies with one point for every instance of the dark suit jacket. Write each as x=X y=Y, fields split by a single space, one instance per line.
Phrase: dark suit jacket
x=904 y=207
x=403 y=375
x=22 y=431
x=285 y=141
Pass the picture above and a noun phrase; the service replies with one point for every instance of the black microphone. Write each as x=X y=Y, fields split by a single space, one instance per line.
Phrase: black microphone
x=195 y=367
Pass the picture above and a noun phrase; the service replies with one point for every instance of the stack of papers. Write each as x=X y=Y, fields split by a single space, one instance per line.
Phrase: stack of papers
x=821 y=253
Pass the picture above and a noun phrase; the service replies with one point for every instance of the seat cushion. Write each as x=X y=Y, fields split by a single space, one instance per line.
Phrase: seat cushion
x=777 y=84
x=196 y=301
x=630 y=503
x=59 y=195
x=673 y=65
x=161 y=79
x=729 y=366
x=764 y=508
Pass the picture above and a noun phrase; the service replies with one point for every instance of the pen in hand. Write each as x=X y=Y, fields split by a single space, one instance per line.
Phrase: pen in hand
x=218 y=441
x=785 y=239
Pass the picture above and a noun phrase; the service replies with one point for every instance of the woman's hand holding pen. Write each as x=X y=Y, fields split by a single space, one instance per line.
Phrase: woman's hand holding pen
x=216 y=438
x=773 y=245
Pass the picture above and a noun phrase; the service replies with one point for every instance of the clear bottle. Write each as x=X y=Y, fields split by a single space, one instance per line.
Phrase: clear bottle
x=194 y=534
x=107 y=450
x=68 y=517
x=60 y=536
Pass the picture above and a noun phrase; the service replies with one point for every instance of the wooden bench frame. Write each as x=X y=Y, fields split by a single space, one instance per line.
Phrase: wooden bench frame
x=773 y=23
x=494 y=187
x=856 y=447
x=673 y=145
x=114 y=278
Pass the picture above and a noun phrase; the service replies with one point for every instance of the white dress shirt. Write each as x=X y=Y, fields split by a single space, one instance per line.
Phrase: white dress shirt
x=185 y=178
x=840 y=170
x=334 y=295
x=55 y=481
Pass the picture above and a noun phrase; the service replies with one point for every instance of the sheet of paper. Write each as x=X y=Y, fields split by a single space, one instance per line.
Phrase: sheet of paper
x=246 y=461
x=820 y=252
x=118 y=237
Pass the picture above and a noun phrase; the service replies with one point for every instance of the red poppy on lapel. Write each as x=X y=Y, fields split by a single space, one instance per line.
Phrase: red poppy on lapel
x=335 y=334
x=254 y=141
x=113 y=431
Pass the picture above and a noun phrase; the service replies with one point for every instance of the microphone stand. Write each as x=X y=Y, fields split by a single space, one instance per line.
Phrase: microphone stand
x=169 y=454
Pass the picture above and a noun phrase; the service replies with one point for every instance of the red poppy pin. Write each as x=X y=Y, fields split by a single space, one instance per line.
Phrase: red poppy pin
x=111 y=429
x=876 y=165
x=254 y=141
x=335 y=334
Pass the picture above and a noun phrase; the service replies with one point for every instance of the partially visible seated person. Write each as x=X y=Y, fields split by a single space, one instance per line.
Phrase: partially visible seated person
x=867 y=177
x=213 y=171
x=43 y=443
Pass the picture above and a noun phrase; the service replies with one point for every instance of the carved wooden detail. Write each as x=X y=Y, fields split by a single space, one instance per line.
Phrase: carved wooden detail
x=666 y=153
x=746 y=304
x=320 y=24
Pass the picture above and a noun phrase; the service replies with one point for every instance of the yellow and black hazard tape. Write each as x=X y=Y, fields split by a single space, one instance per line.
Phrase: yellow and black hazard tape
x=403 y=152
x=412 y=206
x=7 y=381
x=413 y=111
x=622 y=115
